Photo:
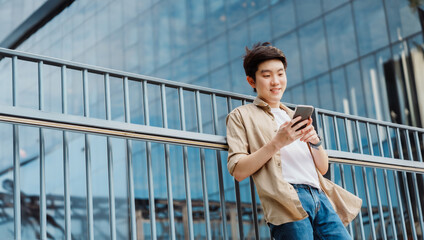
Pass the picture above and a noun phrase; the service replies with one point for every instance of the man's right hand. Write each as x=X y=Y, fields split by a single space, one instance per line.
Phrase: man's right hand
x=287 y=133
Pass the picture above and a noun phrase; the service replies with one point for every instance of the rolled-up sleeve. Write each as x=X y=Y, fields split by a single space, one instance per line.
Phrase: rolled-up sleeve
x=237 y=140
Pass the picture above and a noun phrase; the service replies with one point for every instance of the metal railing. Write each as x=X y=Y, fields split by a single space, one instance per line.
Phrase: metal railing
x=367 y=156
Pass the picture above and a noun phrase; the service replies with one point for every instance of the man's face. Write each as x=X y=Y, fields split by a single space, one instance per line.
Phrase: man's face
x=271 y=82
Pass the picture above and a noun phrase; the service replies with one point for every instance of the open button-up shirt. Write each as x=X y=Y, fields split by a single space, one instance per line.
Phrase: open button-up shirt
x=251 y=126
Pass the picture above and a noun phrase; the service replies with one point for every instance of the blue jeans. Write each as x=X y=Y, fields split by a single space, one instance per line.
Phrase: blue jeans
x=322 y=222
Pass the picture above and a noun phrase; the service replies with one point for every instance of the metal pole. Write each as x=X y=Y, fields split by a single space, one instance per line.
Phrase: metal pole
x=67 y=196
x=220 y=173
x=110 y=164
x=167 y=166
x=130 y=169
x=43 y=214
x=88 y=182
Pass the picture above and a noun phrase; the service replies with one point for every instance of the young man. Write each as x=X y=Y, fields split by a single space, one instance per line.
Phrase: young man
x=286 y=163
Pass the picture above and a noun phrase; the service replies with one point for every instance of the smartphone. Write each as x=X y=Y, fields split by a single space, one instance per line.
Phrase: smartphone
x=305 y=111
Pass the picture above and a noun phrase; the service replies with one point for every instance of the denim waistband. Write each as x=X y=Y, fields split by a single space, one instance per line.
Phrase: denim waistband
x=306 y=186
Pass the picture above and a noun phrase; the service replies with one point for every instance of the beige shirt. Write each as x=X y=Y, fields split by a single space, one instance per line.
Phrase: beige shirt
x=251 y=126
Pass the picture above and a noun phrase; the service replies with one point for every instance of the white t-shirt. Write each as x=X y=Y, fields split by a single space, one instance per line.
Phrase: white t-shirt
x=297 y=164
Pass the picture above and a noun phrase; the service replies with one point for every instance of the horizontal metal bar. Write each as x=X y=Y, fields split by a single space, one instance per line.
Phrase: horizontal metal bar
x=119 y=74
x=374 y=161
x=109 y=128
x=367 y=120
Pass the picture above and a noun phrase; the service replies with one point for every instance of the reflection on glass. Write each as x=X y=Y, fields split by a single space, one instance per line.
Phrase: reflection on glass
x=74 y=92
x=298 y=95
x=325 y=92
x=341 y=36
x=289 y=45
x=6 y=178
x=27 y=84
x=341 y=101
x=238 y=39
x=370 y=25
x=6 y=82
x=314 y=55
x=100 y=186
x=282 y=17
x=218 y=53
x=259 y=33
x=311 y=91
x=355 y=90
x=403 y=20
x=371 y=88
x=307 y=10
x=330 y=4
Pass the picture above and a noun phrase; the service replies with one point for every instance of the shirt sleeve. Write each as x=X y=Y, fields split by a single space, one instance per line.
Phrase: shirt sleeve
x=237 y=140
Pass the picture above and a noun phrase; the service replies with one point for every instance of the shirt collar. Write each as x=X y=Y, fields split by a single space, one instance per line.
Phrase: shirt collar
x=262 y=104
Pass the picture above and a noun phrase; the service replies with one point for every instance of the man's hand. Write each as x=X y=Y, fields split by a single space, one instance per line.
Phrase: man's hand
x=310 y=135
x=287 y=133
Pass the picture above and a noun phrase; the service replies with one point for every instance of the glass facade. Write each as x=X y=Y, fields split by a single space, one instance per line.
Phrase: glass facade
x=359 y=57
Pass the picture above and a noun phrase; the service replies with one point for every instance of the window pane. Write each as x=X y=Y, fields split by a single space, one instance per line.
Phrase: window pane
x=307 y=10
x=325 y=92
x=289 y=45
x=311 y=91
x=403 y=20
x=356 y=93
x=341 y=36
x=330 y=4
x=259 y=28
x=371 y=25
x=340 y=90
x=313 y=48
x=283 y=19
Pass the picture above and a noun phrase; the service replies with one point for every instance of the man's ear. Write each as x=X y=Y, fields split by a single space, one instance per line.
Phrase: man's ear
x=251 y=81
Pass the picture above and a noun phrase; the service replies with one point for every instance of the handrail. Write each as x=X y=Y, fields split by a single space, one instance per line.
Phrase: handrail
x=116 y=73
x=37 y=118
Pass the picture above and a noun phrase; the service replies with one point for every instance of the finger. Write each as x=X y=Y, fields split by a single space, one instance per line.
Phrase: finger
x=307 y=136
x=300 y=124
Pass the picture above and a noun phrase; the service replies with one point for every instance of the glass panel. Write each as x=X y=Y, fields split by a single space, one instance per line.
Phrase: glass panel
x=74 y=92
x=147 y=62
x=341 y=36
x=173 y=108
x=161 y=33
x=311 y=89
x=339 y=86
x=403 y=20
x=298 y=95
x=198 y=62
x=100 y=186
x=282 y=17
x=141 y=190
x=96 y=90
x=314 y=50
x=259 y=28
x=330 y=4
x=155 y=106
x=371 y=27
x=289 y=44
x=54 y=183
x=307 y=10
x=178 y=190
x=121 y=188
x=325 y=92
x=190 y=111
x=219 y=78
x=77 y=185
x=238 y=39
x=180 y=69
x=218 y=52
x=6 y=81
x=27 y=84
x=356 y=95
x=371 y=88
x=236 y=11
x=216 y=18
x=136 y=102
x=383 y=62
x=6 y=179
x=117 y=99
x=178 y=27
x=238 y=78
x=52 y=86
x=196 y=21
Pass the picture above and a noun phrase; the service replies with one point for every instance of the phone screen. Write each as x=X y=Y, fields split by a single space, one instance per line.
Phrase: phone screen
x=305 y=111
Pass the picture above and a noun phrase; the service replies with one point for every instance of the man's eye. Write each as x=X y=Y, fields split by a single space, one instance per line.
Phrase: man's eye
x=267 y=76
